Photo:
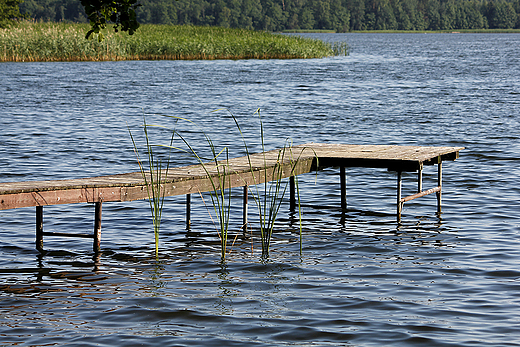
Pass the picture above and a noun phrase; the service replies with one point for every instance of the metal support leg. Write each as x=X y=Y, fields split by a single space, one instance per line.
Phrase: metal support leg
x=244 y=209
x=39 y=228
x=188 y=211
x=439 y=183
x=292 y=198
x=343 y=187
x=97 y=226
x=399 y=203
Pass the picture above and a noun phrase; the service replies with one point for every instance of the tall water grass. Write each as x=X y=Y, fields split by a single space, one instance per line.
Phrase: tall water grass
x=268 y=204
x=216 y=168
x=268 y=191
x=264 y=179
x=31 y=41
x=270 y=200
x=153 y=173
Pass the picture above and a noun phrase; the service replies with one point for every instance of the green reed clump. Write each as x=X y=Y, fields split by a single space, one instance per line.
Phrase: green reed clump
x=33 y=41
x=265 y=179
x=154 y=170
x=269 y=200
x=30 y=41
x=218 y=171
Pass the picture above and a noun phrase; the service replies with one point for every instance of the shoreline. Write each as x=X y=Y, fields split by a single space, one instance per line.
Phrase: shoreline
x=50 y=41
x=452 y=31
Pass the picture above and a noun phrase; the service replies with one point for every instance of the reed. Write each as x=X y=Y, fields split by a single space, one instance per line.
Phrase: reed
x=153 y=173
x=268 y=190
x=39 y=41
x=218 y=172
x=270 y=200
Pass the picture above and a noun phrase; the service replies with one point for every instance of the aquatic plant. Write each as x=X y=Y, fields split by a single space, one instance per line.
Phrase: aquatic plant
x=217 y=170
x=153 y=175
x=269 y=200
x=264 y=180
x=35 y=41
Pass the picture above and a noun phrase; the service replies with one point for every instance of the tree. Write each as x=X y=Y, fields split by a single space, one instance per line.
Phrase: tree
x=340 y=17
x=276 y=15
x=501 y=15
x=356 y=9
x=119 y=12
x=9 y=10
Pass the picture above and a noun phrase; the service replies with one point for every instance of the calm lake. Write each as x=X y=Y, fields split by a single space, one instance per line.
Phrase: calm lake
x=361 y=279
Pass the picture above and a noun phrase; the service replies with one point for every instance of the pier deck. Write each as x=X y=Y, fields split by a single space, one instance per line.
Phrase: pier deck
x=195 y=179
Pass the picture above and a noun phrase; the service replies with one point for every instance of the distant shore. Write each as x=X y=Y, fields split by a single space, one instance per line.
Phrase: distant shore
x=451 y=31
x=30 y=41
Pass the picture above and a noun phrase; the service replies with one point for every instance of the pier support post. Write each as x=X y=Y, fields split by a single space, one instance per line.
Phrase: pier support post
x=343 y=188
x=39 y=228
x=244 y=209
x=292 y=197
x=439 y=183
x=188 y=211
x=419 y=181
x=399 y=203
x=97 y=226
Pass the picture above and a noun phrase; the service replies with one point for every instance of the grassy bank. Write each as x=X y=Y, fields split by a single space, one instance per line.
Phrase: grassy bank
x=29 y=41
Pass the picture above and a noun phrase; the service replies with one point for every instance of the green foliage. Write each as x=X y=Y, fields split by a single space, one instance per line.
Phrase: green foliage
x=501 y=15
x=64 y=42
x=265 y=180
x=153 y=173
x=269 y=200
x=9 y=10
x=119 y=12
x=279 y=15
x=217 y=169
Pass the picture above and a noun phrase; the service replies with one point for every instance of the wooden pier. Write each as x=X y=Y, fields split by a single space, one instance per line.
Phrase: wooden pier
x=194 y=179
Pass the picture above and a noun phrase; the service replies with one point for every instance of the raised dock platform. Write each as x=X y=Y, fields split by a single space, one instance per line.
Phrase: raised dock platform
x=194 y=179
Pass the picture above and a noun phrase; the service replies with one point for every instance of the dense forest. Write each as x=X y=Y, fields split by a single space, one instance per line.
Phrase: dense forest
x=279 y=15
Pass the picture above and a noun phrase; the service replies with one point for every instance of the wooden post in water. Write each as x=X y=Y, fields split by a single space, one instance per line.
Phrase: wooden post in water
x=39 y=228
x=292 y=198
x=399 y=203
x=244 y=209
x=343 y=184
x=188 y=211
x=419 y=181
x=97 y=226
x=439 y=183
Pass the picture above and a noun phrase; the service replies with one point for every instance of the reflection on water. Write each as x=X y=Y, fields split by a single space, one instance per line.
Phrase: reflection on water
x=361 y=279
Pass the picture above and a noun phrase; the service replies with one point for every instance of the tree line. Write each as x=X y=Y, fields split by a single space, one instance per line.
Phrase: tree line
x=279 y=15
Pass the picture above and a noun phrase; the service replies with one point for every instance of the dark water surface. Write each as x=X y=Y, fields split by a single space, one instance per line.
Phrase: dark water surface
x=361 y=280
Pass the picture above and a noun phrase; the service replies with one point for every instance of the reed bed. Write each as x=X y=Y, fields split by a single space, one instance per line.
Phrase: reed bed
x=30 y=41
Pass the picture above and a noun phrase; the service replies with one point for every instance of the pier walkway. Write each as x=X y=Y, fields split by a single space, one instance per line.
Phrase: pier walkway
x=241 y=172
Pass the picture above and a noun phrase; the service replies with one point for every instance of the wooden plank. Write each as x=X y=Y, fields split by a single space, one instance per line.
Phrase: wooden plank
x=196 y=178
x=57 y=197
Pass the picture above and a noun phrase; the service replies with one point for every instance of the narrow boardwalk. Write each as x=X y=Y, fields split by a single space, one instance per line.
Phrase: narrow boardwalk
x=241 y=172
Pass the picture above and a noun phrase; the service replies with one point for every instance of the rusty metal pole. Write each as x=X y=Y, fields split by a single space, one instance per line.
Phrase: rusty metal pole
x=244 y=209
x=39 y=228
x=188 y=211
x=343 y=188
x=439 y=182
x=399 y=203
x=97 y=226
x=292 y=195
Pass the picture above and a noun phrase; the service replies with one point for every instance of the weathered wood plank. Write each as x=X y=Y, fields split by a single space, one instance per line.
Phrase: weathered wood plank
x=255 y=169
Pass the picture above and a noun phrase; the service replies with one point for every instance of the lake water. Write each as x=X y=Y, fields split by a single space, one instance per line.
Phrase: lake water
x=361 y=279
